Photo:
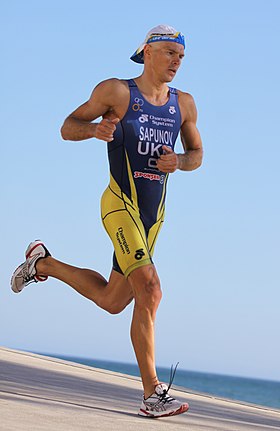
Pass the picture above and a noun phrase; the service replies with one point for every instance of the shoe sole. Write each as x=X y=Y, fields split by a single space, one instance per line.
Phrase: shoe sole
x=184 y=408
x=14 y=289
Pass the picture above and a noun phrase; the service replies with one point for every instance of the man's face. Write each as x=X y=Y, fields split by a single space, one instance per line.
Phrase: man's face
x=165 y=59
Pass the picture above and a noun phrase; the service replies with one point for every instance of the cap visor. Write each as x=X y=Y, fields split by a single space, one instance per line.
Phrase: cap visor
x=138 y=55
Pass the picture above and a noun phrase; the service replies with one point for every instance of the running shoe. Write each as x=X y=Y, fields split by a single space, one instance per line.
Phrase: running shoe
x=26 y=272
x=161 y=404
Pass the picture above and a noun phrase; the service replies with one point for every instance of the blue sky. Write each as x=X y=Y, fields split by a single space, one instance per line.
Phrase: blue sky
x=218 y=253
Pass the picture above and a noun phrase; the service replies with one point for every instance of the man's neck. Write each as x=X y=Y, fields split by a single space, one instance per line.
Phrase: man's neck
x=154 y=91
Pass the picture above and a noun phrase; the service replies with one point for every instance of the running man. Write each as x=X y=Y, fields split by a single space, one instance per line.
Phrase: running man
x=141 y=119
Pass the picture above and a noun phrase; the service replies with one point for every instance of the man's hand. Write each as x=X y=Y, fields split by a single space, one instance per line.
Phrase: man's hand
x=168 y=161
x=105 y=129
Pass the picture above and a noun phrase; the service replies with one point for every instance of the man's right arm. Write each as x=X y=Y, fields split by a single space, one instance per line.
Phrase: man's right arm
x=79 y=126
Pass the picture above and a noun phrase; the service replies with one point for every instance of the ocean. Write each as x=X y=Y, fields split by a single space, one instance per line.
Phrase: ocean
x=249 y=390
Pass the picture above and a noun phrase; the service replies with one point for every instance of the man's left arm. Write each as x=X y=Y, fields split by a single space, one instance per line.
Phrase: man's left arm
x=192 y=157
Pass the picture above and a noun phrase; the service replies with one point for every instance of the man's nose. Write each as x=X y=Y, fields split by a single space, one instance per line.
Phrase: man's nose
x=176 y=60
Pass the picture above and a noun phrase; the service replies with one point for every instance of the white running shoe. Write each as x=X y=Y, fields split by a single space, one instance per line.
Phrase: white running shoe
x=26 y=272
x=160 y=404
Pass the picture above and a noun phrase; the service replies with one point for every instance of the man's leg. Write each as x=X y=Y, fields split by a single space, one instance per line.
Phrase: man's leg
x=113 y=296
x=147 y=295
x=143 y=285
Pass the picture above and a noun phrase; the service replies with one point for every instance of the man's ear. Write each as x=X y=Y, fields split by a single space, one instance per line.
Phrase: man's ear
x=147 y=50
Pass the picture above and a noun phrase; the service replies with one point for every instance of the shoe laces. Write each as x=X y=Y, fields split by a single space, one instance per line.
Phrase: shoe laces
x=165 y=397
x=27 y=278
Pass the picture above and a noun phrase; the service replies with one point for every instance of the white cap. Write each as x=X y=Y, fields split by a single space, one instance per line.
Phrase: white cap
x=160 y=33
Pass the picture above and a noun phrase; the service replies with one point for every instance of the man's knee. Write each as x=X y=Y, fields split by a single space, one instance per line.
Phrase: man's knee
x=115 y=306
x=151 y=291
x=146 y=287
x=116 y=295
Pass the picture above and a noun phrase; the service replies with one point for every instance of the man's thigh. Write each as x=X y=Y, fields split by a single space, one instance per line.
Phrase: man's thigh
x=125 y=228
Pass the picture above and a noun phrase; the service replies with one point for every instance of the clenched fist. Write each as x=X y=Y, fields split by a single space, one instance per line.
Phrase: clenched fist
x=105 y=129
x=168 y=161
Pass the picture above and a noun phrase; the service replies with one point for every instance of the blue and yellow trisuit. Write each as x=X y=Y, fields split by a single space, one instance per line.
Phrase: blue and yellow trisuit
x=132 y=207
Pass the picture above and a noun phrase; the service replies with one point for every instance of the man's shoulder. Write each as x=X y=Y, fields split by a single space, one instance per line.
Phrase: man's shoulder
x=113 y=93
x=187 y=106
x=185 y=97
x=113 y=84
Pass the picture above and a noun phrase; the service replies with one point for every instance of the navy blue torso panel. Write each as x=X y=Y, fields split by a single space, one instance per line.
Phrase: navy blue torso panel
x=137 y=145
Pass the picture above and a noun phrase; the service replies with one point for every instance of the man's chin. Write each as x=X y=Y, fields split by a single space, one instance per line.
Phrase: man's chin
x=170 y=76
